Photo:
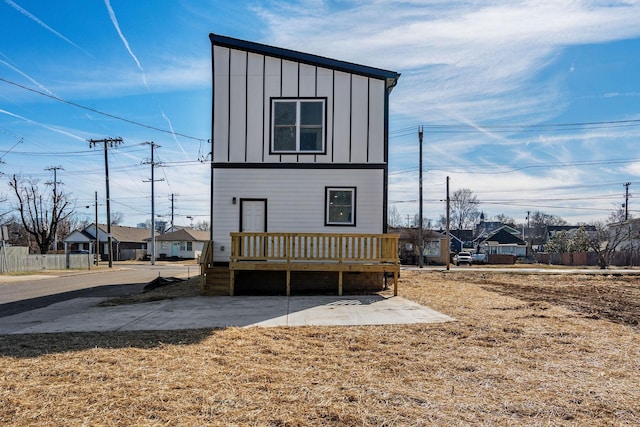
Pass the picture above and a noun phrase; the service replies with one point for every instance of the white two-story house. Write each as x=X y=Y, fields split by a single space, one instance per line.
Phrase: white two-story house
x=300 y=143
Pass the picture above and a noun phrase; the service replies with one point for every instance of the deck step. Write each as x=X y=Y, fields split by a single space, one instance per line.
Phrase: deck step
x=217 y=282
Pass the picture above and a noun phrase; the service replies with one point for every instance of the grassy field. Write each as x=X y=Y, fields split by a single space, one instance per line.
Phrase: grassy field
x=525 y=350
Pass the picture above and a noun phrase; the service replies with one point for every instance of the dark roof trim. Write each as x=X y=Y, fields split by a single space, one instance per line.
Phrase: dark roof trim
x=391 y=77
x=274 y=165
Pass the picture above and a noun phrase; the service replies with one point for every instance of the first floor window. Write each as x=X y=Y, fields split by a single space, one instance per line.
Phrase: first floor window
x=298 y=125
x=432 y=248
x=340 y=206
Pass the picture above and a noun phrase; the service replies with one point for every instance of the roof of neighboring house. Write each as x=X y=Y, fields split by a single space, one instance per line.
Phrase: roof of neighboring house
x=119 y=233
x=504 y=236
x=128 y=234
x=391 y=77
x=462 y=235
x=78 y=236
x=556 y=228
x=411 y=233
x=184 y=235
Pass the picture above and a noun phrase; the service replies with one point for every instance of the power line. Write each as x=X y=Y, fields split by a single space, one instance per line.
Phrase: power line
x=477 y=169
x=113 y=116
x=500 y=128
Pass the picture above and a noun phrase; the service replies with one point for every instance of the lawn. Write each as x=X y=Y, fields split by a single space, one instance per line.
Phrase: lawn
x=525 y=350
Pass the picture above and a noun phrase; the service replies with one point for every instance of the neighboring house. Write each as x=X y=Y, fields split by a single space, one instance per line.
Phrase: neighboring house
x=128 y=242
x=503 y=241
x=435 y=246
x=461 y=240
x=484 y=228
x=300 y=143
x=183 y=243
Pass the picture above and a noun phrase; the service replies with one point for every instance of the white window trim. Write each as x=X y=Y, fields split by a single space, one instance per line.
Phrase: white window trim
x=298 y=102
x=351 y=223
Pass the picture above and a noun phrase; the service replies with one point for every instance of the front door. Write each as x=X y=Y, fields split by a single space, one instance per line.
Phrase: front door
x=253 y=219
x=253 y=215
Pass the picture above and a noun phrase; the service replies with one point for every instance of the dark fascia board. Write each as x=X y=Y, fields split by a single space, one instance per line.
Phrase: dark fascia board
x=391 y=77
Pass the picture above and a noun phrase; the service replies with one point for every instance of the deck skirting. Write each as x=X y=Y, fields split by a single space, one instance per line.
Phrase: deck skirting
x=290 y=266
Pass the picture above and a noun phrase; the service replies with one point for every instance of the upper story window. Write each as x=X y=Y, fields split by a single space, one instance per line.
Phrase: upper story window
x=298 y=125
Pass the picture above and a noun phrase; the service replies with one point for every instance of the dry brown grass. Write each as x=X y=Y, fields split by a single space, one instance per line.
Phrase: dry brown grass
x=506 y=361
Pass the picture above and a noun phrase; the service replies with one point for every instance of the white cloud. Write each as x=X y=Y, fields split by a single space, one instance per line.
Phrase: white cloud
x=454 y=55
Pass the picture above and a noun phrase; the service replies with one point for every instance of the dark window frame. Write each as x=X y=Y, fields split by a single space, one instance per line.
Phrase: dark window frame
x=298 y=101
x=327 y=206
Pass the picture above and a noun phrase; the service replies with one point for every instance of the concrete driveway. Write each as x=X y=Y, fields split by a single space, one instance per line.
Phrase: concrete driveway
x=83 y=314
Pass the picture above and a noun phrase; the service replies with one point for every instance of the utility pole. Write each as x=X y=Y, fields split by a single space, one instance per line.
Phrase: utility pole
x=172 y=208
x=448 y=251
x=626 y=218
x=626 y=201
x=153 y=210
x=55 y=170
x=420 y=236
x=523 y=235
x=106 y=143
x=97 y=233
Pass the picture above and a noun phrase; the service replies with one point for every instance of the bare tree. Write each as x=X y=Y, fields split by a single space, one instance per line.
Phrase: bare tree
x=40 y=215
x=559 y=243
x=506 y=220
x=605 y=240
x=538 y=222
x=464 y=209
x=201 y=226
x=393 y=218
x=117 y=218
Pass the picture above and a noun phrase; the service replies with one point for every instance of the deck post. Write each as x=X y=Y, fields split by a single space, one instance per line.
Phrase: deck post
x=232 y=279
x=340 y=283
x=288 y=282
x=395 y=283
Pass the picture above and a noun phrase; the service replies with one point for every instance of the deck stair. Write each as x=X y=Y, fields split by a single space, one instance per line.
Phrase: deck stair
x=216 y=281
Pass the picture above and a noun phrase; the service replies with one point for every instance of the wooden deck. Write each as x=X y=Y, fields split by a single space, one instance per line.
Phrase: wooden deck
x=318 y=252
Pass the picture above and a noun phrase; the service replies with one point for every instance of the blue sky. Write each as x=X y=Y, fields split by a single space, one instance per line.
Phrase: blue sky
x=533 y=105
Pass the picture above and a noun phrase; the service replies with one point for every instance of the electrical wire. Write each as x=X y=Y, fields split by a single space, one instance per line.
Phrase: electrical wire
x=113 y=116
x=498 y=128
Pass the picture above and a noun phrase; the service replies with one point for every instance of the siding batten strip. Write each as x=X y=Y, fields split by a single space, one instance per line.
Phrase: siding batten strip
x=264 y=94
x=229 y=108
x=333 y=113
x=350 y=114
x=246 y=106
x=368 y=116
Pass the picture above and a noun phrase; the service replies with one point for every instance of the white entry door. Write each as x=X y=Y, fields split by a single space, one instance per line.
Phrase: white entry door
x=254 y=215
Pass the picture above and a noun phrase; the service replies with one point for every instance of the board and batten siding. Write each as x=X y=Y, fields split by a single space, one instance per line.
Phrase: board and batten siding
x=244 y=84
x=295 y=200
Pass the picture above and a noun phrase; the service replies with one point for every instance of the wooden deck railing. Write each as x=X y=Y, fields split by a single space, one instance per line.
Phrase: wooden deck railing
x=314 y=247
x=315 y=252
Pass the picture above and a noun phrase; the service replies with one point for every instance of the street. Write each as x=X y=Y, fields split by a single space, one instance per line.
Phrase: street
x=20 y=293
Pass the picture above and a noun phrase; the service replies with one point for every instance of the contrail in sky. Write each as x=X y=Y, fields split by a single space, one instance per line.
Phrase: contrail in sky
x=114 y=20
x=63 y=132
x=39 y=22
x=25 y=75
x=173 y=133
